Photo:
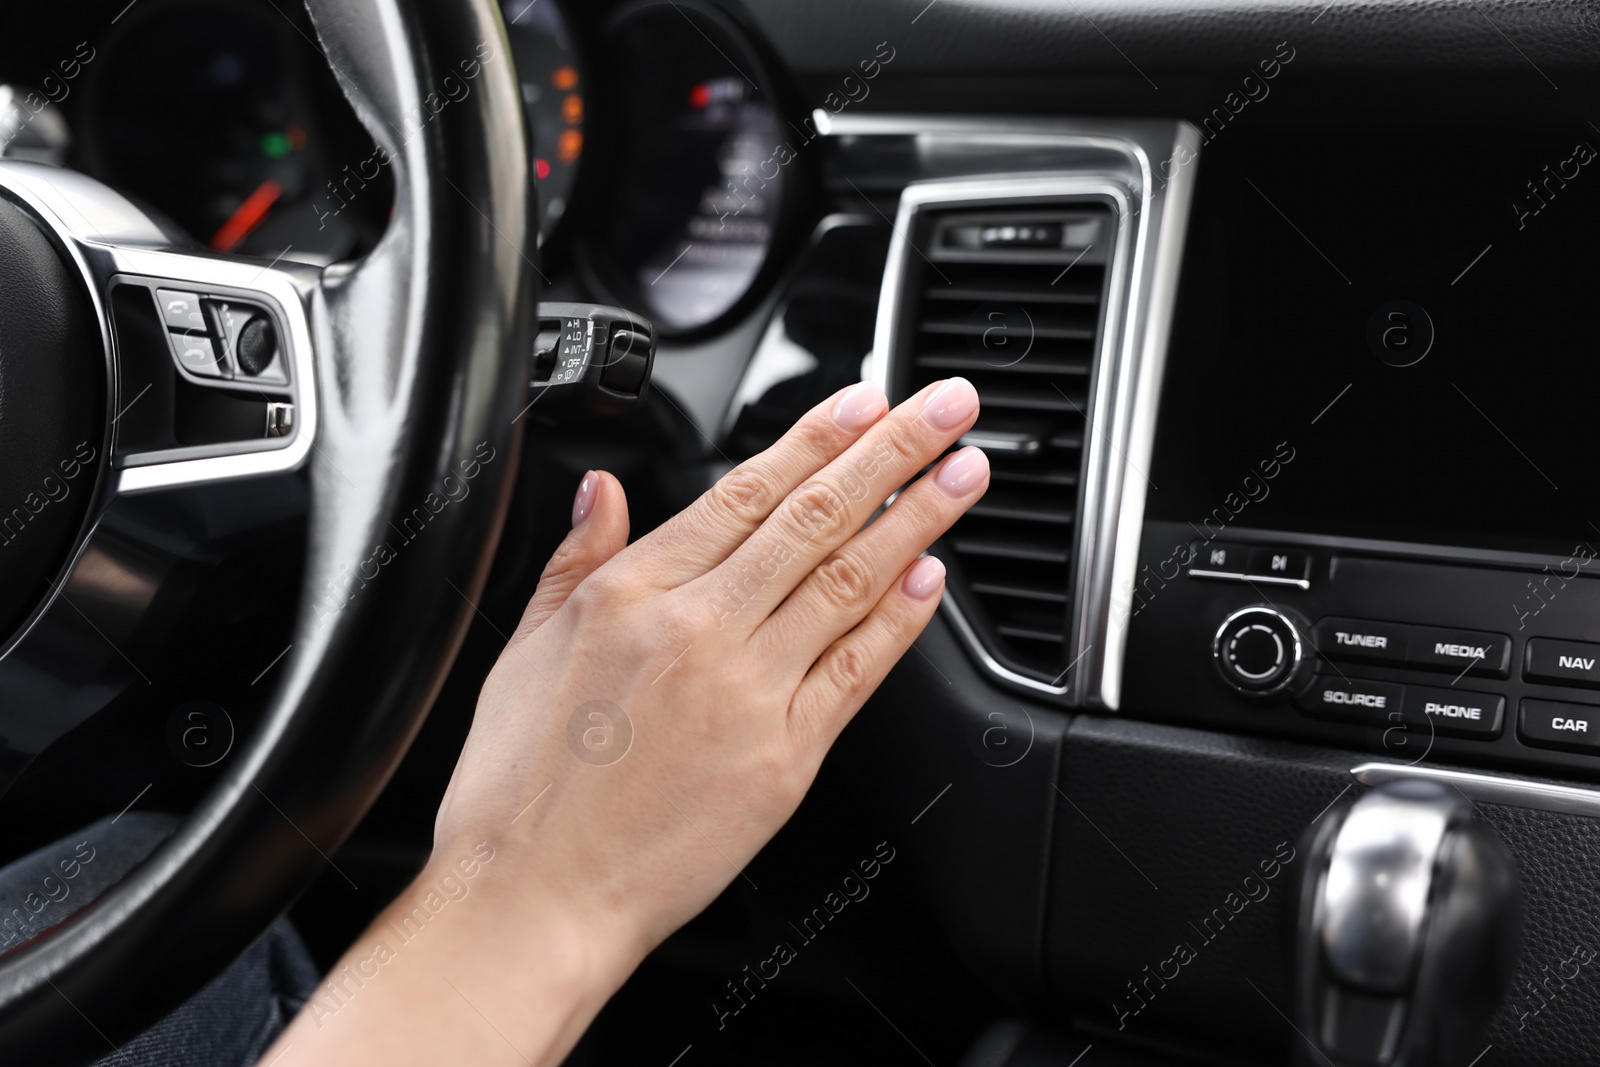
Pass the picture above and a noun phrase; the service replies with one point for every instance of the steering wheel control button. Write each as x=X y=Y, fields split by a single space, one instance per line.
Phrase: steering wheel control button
x=1453 y=713
x=1333 y=696
x=180 y=310
x=1258 y=651
x=1562 y=662
x=257 y=347
x=1357 y=639
x=1460 y=651
x=1552 y=724
x=1217 y=559
x=196 y=352
x=1281 y=566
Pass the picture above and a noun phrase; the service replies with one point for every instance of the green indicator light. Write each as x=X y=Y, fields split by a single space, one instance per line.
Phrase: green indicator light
x=275 y=145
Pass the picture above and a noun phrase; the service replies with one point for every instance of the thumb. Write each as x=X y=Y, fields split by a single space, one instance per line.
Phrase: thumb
x=599 y=531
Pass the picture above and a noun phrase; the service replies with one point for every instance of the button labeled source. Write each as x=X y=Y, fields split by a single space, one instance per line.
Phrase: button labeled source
x=1452 y=713
x=1562 y=662
x=1288 y=566
x=1218 y=559
x=1462 y=651
x=1355 y=700
x=1551 y=724
x=1359 y=639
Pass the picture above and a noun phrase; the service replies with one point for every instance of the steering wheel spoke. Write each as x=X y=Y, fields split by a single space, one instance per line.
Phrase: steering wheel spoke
x=213 y=377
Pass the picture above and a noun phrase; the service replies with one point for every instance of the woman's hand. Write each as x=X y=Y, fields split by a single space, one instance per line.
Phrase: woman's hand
x=668 y=703
x=663 y=706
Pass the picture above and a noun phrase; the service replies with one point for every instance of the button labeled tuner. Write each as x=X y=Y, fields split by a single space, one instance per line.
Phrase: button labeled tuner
x=1464 y=651
x=1353 y=699
x=1357 y=639
x=1562 y=662
x=1550 y=724
x=1453 y=713
x=1259 y=651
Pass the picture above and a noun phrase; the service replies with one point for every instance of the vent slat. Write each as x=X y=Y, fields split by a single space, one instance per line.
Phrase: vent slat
x=1012 y=553
x=971 y=363
x=1011 y=549
x=987 y=508
x=1019 y=592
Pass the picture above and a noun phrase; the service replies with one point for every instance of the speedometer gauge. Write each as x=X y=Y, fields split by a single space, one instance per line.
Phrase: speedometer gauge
x=552 y=94
x=694 y=189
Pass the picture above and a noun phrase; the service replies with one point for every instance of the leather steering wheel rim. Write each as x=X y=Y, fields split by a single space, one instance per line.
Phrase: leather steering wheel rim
x=416 y=372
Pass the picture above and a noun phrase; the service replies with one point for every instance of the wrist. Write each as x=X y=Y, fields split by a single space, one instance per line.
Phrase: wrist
x=520 y=923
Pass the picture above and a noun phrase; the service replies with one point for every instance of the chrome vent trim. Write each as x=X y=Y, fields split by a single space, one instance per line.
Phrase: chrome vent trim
x=1089 y=159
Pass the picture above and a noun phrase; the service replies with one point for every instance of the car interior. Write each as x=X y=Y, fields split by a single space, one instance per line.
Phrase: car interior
x=1260 y=721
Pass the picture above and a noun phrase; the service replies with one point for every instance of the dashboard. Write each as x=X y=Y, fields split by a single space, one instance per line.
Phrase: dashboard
x=662 y=177
x=1280 y=319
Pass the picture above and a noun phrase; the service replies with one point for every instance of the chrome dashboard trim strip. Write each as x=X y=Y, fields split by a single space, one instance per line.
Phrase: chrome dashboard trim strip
x=1489 y=788
x=1127 y=380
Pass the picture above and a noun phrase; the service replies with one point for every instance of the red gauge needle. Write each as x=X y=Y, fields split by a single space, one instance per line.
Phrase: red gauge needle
x=250 y=214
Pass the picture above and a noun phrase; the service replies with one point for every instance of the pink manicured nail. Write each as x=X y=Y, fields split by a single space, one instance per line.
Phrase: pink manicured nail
x=583 y=503
x=924 y=579
x=961 y=472
x=951 y=404
x=859 y=408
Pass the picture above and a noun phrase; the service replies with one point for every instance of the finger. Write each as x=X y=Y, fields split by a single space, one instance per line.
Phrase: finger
x=856 y=664
x=599 y=531
x=840 y=592
x=703 y=534
x=830 y=507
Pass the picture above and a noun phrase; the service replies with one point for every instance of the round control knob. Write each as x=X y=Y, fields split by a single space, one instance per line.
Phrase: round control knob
x=1259 y=651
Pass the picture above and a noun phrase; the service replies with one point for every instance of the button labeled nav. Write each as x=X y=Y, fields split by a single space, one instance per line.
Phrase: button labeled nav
x=1562 y=662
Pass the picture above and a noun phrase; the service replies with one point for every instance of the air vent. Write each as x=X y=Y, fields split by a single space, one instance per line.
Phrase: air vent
x=1012 y=299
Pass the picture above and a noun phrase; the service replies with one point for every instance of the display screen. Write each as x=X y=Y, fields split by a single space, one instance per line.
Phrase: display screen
x=1378 y=336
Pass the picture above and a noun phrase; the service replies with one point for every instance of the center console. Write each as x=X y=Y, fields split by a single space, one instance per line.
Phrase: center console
x=1370 y=517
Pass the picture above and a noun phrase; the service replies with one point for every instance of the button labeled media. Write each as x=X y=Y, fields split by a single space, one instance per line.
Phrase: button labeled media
x=1461 y=651
x=1562 y=662
x=1353 y=699
x=1551 y=724
x=1358 y=639
x=1453 y=713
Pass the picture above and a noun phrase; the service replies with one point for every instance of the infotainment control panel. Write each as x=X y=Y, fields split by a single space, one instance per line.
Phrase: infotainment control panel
x=1399 y=651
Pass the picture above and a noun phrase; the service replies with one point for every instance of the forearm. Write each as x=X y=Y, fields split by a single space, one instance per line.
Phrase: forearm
x=461 y=969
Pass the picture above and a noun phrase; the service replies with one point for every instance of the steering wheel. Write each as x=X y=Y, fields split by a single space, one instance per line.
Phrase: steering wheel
x=403 y=371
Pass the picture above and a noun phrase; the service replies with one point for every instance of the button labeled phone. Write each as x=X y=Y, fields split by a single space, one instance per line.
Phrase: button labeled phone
x=1453 y=713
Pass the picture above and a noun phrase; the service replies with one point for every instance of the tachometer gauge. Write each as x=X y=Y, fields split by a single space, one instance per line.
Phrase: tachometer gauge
x=552 y=93
x=214 y=113
x=694 y=197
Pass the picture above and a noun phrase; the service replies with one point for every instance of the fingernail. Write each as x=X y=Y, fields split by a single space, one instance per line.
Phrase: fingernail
x=859 y=408
x=961 y=471
x=951 y=404
x=925 y=578
x=583 y=503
